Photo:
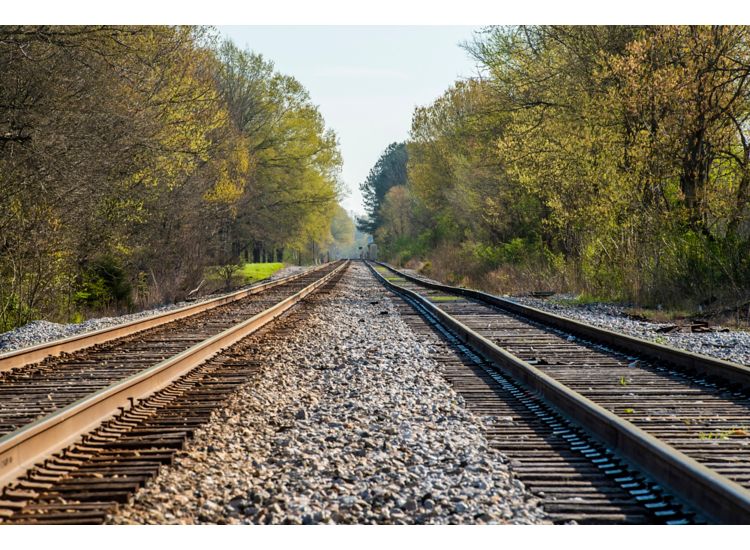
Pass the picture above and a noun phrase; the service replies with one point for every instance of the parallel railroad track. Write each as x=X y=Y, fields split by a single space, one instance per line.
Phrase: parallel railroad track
x=87 y=480
x=586 y=464
x=688 y=431
x=45 y=407
x=32 y=391
x=46 y=352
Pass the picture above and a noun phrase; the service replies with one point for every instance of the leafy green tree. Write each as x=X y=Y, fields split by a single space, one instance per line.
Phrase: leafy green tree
x=154 y=151
x=612 y=160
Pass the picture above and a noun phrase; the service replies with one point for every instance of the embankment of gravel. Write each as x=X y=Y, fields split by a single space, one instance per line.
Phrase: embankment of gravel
x=733 y=345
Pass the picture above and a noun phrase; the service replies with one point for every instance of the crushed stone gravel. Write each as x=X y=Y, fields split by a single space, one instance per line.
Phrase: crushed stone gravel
x=733 y=345
x=355 y=425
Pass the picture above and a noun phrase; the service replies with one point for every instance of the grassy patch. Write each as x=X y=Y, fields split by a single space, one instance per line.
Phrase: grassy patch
x=445 y=298
x=240 y=275
x=255 y=272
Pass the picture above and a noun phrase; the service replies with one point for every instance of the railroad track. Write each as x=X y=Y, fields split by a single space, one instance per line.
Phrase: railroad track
x=680 y=419
x=116 y=411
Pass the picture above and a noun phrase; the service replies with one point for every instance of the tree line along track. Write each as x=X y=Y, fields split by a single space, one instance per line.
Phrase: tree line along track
x=688 y=431
x=46 y=406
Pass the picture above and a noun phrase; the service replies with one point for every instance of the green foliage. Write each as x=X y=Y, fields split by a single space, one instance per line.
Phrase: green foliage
x=231 y=275
x=612 y=161
x=15 y=313
x=518 y=251
x=226 y=274
x=389 y=171
x=77 y=317
x=699 y=265
x=160 y=147
x=255 y=272
x=406 y=247
x=103 y=284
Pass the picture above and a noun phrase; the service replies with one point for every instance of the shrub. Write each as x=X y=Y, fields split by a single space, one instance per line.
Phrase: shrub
x=103 y=284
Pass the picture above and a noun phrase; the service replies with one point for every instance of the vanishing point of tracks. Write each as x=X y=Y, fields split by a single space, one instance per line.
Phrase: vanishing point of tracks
x=81 y=432
x=603 y=427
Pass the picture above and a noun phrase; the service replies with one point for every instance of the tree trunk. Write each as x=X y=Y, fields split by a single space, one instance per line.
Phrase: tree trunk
x=740 y=203
x=694 y=177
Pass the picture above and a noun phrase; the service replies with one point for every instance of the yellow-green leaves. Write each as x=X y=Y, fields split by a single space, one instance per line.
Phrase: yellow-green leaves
x=149 y=150
x=618 y=155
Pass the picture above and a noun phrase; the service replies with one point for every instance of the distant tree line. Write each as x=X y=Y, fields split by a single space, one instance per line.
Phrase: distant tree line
x=133 y=157
x=611 y=160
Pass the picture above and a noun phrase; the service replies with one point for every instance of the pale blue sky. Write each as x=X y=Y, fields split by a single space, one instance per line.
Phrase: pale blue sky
x=365 y=80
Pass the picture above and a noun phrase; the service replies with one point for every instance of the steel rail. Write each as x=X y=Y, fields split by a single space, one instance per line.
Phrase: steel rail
x=710 y=366
x=26 y=446
x=34 y=354
x=716 y=497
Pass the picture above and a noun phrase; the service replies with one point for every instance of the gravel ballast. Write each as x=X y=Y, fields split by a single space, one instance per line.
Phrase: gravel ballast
x=39 y=332
x=349 y=422
x=733 y=345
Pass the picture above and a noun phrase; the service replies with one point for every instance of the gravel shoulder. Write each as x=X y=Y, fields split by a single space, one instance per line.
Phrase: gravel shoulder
x=39 y=332
x=355 y=425
x=733 y=345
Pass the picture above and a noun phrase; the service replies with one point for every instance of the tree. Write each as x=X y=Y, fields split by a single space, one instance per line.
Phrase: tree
x=294 y=162
x=613 y=157
x=152 y=151
x=389 y=171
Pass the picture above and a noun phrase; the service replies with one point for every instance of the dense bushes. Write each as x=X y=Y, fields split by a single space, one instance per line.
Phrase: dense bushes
x=103 y=284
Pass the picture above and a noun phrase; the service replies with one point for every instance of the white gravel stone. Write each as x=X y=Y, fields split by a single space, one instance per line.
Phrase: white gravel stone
x=733 y=345
x=349 y=422
x=39 y=332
